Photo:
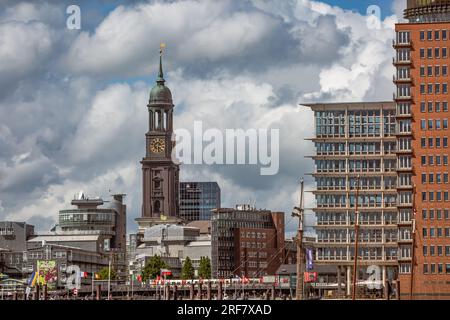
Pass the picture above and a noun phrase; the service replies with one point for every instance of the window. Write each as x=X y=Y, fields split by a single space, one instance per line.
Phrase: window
x=424 y=160
x=422 y=88
x=444 y=35
x=430 y=106
x=438 y=124
x=429 y=88
x=432 y=251
x=424 y=232
x=444 y=88
x=437 y=71
x=430 y=124
x=431 y=196
x=424 y=214
x=431 y=214
x=430 y=142
x=437 y=34
x=437 y=106
x=438 y=160
x=445 y=106
x=430 y=71
x=425 y=251
x=422 y=53
x=440 y=268
x=432 y=268
x=430 y=160
x=429 y=35
x=422 y=106
x=423 y=142
x=432 y=233
x=438 y=142
x=422 y=71
x=429 y=53
x=444 y=52
x=439 y=234
x=431 y=178
x=423 y=125
x=444 y=71
x=437 y=52
x=425 y=268
x=444 y=123
x=422 y=35
x=424 y=178
x=445 y=142
x=424 y=196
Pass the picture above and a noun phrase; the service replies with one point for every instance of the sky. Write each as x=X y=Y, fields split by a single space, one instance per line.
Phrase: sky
x=73 y=102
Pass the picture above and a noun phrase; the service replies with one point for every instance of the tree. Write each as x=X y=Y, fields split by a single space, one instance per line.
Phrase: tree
x=204 y=270
x=103 y=274
x=153 y=268
x=187 y=271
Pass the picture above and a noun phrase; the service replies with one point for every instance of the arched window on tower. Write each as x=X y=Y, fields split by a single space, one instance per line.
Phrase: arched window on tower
x=157 y=206
x=156 y=123
x=165 y=120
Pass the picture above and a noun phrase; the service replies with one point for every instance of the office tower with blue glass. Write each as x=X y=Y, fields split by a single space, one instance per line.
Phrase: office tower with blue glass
x=197 y=199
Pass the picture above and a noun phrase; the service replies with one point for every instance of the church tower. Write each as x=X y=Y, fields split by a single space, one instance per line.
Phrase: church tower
x=160 y=174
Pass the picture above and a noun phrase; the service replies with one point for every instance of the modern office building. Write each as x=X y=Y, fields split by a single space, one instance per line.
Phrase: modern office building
x=94 y=225
x=422 y=60
x=357 y=140
x=246 y=242
x=95 y=214
x=197 y=199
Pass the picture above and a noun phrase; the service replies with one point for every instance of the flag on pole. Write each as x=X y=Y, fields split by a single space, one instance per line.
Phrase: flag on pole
x=309 y=259
x=32 y=280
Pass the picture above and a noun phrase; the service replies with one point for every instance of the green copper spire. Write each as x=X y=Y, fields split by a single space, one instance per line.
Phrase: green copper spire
x=160 y=94
x=161 y=74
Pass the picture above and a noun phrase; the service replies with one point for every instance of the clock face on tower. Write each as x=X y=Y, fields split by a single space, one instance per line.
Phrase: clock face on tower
x=157 y=145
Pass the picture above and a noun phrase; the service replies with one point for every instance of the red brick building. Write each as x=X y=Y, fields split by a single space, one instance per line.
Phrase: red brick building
x=246 y=242
x=422 y=60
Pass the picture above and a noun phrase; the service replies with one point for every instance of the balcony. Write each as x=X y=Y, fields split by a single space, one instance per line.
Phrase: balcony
x=402 y=98
x=331 y=223
x=397 y=79
x=333 y=170
x=332 y=257
x=403 y=115
x=404 y=151
x=404 y=186
x=331 y=205
x=331 y=188
x=401 y=258
x=398 y=62
x=404 y=222
x=403 y=132
x=397 y=45
x=332 y=240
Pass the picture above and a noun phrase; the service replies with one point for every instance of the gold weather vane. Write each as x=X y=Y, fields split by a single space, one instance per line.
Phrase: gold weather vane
x=161 y=47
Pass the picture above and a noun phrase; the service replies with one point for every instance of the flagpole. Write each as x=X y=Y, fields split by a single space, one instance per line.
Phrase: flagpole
x=92 y=285
x=109 y=278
